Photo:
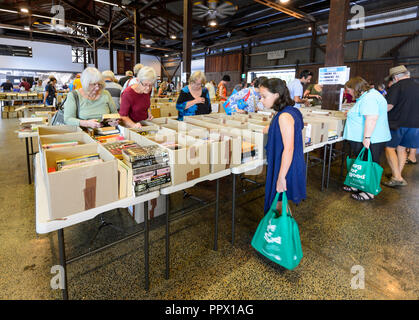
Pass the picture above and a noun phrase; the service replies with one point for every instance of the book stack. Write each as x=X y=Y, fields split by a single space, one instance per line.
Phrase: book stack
x=30 y=124
x=60 y=144
x=116 y=147
x=150 y=167
x=76 y=162
x=248 y=151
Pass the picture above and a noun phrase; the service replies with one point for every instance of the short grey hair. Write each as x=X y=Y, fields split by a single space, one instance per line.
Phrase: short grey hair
x=137 y=68
x=147 y=73
x=91 y=75
x=108 y=74
x=401 y=75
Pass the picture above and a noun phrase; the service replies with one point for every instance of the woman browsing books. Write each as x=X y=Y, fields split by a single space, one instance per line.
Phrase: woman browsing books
x=93 y=102
x=135 y=100
x=284 y=150
x=194 y=99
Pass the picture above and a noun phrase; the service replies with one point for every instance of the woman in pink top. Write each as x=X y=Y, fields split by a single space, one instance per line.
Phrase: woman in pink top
x=135 y=100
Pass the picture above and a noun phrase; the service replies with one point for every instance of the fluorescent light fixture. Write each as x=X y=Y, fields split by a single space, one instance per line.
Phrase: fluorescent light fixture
x=24 y=10
x=109 y=3
x=9 y=11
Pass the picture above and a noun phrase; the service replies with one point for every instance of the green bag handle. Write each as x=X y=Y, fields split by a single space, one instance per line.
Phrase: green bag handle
x=284 y=203
x=361 y=154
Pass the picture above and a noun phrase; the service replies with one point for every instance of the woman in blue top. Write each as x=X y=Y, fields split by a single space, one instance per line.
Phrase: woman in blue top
x=366 y=125
x=194 y=99
x=284 y=150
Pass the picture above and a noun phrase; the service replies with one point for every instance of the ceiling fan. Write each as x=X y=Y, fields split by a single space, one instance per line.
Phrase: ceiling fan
x=213 y=9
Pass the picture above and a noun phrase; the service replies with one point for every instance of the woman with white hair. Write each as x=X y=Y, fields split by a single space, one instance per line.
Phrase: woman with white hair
x=93 y=101
x=135 y=100
x=194 y=99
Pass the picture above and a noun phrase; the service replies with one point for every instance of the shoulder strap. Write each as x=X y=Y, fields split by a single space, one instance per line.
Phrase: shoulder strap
x=76 y=98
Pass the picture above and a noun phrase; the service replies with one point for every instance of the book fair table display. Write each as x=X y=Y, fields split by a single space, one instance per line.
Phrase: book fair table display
x=116 y=167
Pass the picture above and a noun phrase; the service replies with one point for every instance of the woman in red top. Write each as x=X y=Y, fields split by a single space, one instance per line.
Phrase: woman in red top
x=135 y=100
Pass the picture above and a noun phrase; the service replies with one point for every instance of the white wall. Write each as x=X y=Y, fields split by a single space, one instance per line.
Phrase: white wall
x=57 y=57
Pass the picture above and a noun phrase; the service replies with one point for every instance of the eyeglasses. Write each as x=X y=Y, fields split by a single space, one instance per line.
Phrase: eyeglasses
x=197 y=84
x=99 y=85
x=148 y=85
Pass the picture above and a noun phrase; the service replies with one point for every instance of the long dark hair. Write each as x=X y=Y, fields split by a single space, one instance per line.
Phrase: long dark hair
x=275 y=85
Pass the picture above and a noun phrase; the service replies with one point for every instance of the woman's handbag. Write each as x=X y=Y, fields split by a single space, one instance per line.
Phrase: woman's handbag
x=364 y=175
x=58 y=118
x=278 y=237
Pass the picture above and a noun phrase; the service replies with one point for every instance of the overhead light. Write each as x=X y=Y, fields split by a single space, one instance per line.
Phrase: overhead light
x=173 y=36
x=26 y=28
x=212 y=23
x=24 y=10
x=110 y=3
x=309 y=28
x=166 y=56
x=147 y=45
x=285 y=1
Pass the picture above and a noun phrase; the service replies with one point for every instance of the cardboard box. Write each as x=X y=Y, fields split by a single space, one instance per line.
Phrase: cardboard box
x=156 y=207
x=5 y=115
x=80 y=137
x=168 y=110
x=47 y=130
x=79 y=189
x=155 y=112
x=12 y=114
x=189 y=162
x=317 y=131
x=261 y=117
x=336 y=125
x=6 y=108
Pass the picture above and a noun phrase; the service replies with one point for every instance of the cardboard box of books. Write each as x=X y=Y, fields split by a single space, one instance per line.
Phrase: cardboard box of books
x=64 y=140
x=316 y=131
x=188 y=157
x=260 y=116
x=47 y=130
x=79 y=178
x=233 y=141
x=336 y=125
x=251 y=143
x=168 y=110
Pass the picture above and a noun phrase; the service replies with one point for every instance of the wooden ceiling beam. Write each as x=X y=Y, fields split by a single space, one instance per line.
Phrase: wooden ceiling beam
x=289 y=11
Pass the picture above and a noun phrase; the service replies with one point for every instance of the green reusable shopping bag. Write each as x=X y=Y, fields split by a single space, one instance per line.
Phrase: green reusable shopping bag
x=278 y=237
x=364 y=175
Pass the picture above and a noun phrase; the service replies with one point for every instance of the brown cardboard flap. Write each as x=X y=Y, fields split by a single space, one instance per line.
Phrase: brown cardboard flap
x=152 y=208
x=90 y=194
x=192 y=175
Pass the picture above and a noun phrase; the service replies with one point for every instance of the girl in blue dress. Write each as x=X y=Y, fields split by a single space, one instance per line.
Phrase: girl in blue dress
x=284 y=149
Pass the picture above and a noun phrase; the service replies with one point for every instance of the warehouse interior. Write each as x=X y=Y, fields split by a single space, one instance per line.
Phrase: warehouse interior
x=339 y=236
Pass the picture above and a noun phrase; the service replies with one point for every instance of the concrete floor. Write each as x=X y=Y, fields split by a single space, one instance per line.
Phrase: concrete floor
x=337 y=233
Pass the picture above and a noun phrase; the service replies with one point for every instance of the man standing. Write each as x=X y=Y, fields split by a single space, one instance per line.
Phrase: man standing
x=403 y=118
x=128 y=75
x=7 y=86
x=295 y=88
x=25 y=84
x=113 y=87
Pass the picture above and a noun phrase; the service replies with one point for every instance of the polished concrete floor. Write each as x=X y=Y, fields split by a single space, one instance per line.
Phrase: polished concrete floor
x=337 y=233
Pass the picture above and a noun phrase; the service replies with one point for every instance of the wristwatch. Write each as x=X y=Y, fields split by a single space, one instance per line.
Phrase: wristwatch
x=367 y=138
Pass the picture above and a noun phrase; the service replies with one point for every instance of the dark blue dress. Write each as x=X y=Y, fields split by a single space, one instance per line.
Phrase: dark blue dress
x=296 y=176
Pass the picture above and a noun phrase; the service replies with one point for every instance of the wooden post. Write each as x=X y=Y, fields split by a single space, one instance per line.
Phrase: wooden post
x=137 y=38
x=360 y=49
x=187 y=38
x=313 y=42
x=110 y=35
x=338 y=21
x=95 y=53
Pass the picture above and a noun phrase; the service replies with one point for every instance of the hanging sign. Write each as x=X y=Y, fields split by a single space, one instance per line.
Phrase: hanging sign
x=334 y=75
x=278 y=54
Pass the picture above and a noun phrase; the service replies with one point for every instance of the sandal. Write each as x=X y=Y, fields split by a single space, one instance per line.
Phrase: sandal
x=349 y=189
x=408 y=161
x=395 y=183
x=360 y=196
